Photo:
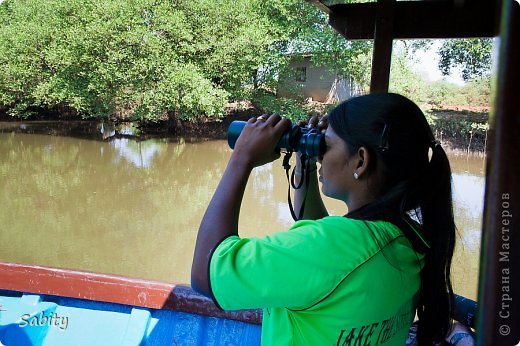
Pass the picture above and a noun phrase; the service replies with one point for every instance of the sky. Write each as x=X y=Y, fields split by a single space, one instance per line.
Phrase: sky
x=426 y=63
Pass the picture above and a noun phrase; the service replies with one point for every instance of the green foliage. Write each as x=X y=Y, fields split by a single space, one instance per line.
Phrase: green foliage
x=476 y=93
x=151 y=59
x=294 y=109
x=443 y=93
x=405 y=81
x=459 y=127
x=157 y=59
x=144 y=59
x=472 y=55
x=446 y=104
x=290 y=108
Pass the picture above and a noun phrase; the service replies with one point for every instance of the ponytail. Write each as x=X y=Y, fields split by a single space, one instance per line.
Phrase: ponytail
x=435 y=308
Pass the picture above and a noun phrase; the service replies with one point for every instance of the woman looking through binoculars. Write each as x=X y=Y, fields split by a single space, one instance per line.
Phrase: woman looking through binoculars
x=353 y=279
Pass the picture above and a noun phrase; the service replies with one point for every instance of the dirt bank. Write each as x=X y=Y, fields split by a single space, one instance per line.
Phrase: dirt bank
x=459 y=130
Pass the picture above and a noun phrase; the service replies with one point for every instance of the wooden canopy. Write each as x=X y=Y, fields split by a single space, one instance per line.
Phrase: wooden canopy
x=386 y=20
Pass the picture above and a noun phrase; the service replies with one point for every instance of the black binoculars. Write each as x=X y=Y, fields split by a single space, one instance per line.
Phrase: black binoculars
x=298 y=139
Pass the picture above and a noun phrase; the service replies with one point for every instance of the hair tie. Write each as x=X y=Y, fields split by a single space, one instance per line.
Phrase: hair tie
x=435 y=144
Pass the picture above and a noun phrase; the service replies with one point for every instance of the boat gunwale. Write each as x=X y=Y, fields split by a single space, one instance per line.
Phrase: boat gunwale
x=109 y=288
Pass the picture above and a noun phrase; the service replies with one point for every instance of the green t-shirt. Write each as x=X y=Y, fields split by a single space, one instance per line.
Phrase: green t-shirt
x=334 y=281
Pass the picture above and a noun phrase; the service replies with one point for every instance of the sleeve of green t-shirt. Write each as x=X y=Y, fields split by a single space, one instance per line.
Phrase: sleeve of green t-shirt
x=292 y=269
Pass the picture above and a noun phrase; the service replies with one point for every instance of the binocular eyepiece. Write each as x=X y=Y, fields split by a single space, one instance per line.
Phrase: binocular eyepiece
x=298 y=139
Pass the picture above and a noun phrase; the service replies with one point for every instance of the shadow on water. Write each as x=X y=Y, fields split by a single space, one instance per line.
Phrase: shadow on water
x=133 y=207
x=106 y=130
x=76 y=129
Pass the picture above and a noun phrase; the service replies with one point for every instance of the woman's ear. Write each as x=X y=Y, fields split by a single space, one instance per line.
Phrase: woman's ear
x=363 y=161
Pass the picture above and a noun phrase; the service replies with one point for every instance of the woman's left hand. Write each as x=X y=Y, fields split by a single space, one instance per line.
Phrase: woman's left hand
x=256 y=145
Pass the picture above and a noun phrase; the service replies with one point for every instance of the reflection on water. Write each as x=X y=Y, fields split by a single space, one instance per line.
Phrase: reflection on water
x=468 y=198
x=133 y=208
x=140 y=154
x=468 y=192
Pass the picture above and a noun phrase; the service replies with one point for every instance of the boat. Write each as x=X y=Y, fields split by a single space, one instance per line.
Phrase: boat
x=60 y=307
x=51 y=306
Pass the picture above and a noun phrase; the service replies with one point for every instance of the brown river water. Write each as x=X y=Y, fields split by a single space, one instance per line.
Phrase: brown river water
x=133 y=208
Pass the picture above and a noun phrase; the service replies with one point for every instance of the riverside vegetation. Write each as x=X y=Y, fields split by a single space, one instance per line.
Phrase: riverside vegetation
x=194 y=64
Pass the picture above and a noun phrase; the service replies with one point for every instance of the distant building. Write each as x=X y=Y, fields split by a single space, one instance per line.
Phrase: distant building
x=318 y=82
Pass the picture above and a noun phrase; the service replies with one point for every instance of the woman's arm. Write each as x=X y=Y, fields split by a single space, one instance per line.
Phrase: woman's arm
x=219 y=222
x=309 y=192
x=255 y=147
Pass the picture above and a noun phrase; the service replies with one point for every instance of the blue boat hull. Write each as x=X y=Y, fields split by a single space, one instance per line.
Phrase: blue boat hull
x=89 y=309
x=47 y=320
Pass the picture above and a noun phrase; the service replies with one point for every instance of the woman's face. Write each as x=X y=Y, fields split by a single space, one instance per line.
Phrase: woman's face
x=337 y=167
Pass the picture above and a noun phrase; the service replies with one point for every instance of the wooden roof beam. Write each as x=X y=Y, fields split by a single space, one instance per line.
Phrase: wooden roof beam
x=319 y=4
x=418 y=19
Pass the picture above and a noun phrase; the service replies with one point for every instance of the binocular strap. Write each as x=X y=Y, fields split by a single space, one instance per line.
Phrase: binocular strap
x=290 y=182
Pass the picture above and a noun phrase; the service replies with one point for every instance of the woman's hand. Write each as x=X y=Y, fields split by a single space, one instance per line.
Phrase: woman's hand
x=321 y=125
x=309 y=192
x=256 y=145
x=316 y=122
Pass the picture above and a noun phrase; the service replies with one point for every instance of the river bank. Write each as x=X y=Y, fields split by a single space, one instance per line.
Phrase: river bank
x=461 y=132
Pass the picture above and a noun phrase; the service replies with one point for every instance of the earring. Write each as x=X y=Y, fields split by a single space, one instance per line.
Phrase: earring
x=356 y=176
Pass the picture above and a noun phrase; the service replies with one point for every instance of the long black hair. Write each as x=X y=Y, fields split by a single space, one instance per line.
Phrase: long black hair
x=417 y=180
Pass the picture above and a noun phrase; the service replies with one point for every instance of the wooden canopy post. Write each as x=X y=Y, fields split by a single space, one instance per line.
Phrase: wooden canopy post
x=383 y=40
x=498 y=317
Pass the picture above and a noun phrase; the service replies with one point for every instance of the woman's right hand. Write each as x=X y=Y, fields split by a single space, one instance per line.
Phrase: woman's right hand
x=321 y=123
x=256 y=145
x=309 y=192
